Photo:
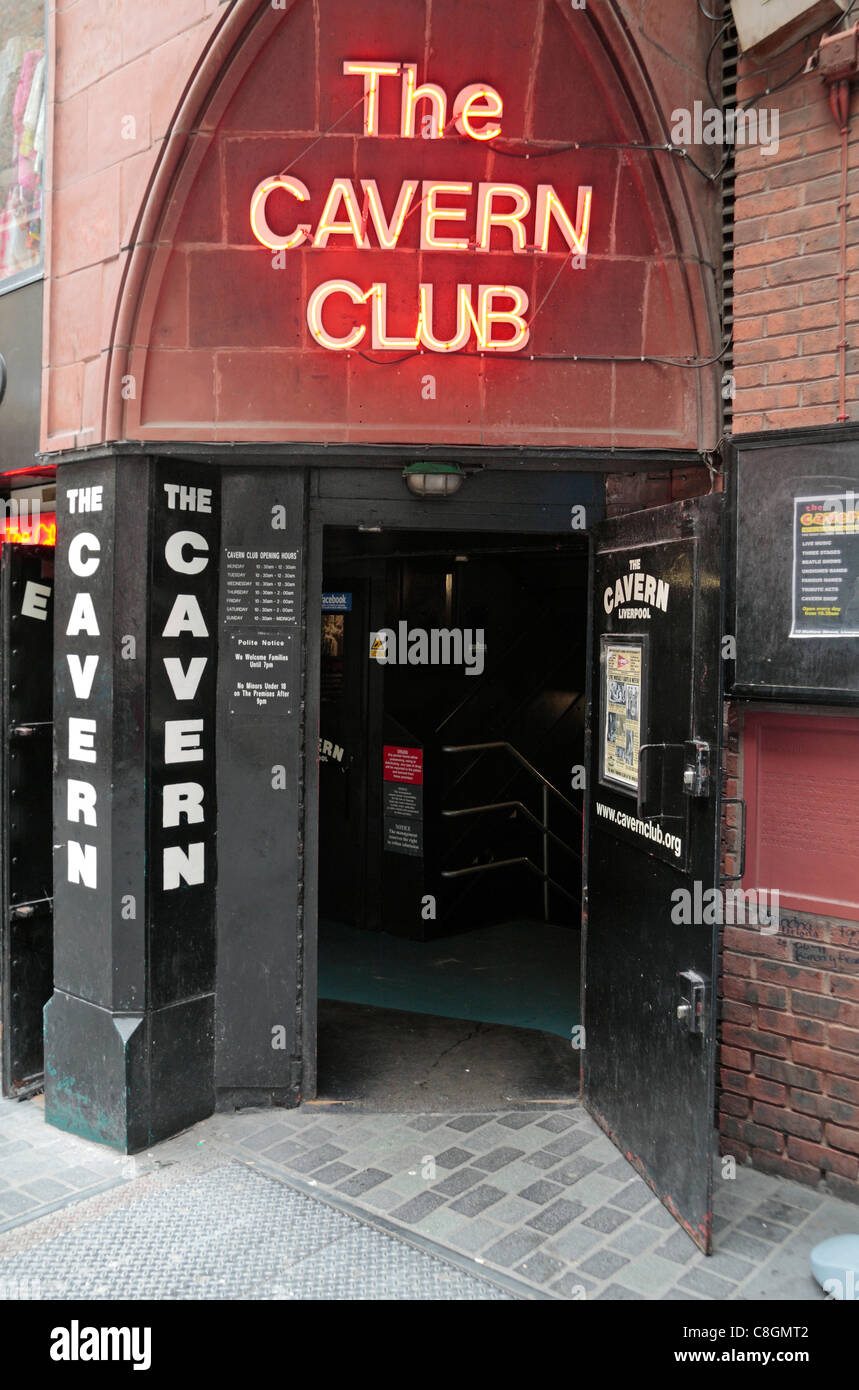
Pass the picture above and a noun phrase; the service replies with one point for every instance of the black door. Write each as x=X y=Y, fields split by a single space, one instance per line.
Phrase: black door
x=342 y=748
x=652 y=835
x=26 y=874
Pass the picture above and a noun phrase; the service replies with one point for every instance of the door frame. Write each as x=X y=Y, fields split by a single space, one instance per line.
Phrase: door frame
x=512 y=502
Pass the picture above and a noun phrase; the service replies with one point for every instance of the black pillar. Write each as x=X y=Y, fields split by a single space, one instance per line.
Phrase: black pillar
x=260 y=721
x=129 y=1031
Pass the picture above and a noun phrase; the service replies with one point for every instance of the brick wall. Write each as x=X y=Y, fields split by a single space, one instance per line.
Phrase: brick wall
x=789 y=1063
x=787 y=258
x=788 y=1082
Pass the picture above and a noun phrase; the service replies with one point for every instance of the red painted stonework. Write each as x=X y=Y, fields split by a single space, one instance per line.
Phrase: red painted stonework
x=200 y=304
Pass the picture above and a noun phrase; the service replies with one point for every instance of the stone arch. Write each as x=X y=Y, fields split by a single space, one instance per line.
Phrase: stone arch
x=659 y=295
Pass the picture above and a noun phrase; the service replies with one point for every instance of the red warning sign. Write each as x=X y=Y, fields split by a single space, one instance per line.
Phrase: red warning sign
x=403 y=764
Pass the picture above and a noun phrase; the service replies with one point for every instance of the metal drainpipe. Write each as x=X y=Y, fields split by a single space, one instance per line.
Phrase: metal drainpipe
x=839 y=103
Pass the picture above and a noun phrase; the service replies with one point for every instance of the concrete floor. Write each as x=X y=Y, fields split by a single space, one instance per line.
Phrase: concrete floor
x=522 y=973
x=534 y=1202
x=386 y=1059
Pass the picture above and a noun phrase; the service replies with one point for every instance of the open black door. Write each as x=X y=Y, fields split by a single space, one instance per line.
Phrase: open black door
x=651 y=835
x=26 y=785
x=342 y=750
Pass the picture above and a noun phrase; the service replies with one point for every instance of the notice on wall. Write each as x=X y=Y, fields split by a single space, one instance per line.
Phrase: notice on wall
x=402 y=799
x=622 y=714
x=403 y=836
x=261 y=666
x=403 y=764
x=261 y=586
x=826 y=566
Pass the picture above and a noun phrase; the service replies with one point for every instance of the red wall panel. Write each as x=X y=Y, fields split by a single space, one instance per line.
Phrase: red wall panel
x=801 y=786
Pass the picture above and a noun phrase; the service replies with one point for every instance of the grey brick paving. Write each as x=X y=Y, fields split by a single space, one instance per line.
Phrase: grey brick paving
x=649 y=1274
x=475 y=1201
x=512 y=1212
x=573 y=1286
x=541 y=1159
x=677 y=1247
x=418 y=1207
x=603 y=1264
x=556 y=1216
x=511 y=1249
x=541 y=1191
x=458 y=1182
x=633 y=1197
x=700 y=1280
x=558 y=1122
x=632 y=1240
x=475 y=1235
x=576 y=1242
x=606 y=1219
x=539 y=1268
x=764 y=1230
x=362 y=1182
x=540 y=1196
x=452 y=1158
x=466 y=1124
x=497 y=1158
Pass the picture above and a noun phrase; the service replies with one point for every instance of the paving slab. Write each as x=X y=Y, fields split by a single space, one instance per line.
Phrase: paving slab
x=539 y=1198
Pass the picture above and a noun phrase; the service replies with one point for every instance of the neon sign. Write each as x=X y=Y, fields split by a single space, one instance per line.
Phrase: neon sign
x=42 y=533
x=494 y=315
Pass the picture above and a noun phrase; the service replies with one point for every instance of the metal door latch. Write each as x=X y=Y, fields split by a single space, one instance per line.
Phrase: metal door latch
x=696 y=768
x=690 y=1008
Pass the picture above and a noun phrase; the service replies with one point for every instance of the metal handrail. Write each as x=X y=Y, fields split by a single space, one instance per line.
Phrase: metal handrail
x=504 y=864
x=502 y=743
x=506 y=805
x=542 y=825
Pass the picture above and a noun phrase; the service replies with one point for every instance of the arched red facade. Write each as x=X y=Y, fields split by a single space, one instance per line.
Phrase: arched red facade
x=211 y=340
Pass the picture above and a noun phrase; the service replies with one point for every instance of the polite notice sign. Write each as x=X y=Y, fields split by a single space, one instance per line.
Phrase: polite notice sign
x=622 y=706
x=261 y=662
x=826 y=566
x=402 y=799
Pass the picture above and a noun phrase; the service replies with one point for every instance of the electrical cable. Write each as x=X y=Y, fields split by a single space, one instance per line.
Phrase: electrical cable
x=687 y=364
x=720 y=33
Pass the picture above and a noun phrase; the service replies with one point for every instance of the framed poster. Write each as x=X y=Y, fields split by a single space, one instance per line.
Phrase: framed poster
x=622 y=704
x=826 y=565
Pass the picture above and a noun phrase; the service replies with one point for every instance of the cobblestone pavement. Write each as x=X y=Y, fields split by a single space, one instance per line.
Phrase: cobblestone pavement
x=538 y=1200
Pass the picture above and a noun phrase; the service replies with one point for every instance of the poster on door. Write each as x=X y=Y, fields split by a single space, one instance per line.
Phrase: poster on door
x=622 y=718
x=826 y=566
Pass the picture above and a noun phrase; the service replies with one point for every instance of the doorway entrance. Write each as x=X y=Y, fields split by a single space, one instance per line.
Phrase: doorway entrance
x=451 y=742
x=26 y=868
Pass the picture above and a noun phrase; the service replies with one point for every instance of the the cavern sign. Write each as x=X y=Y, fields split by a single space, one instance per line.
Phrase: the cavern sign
x=451 y=220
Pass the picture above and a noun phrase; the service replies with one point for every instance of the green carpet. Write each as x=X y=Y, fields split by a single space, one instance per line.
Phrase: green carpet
x=524 y=974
